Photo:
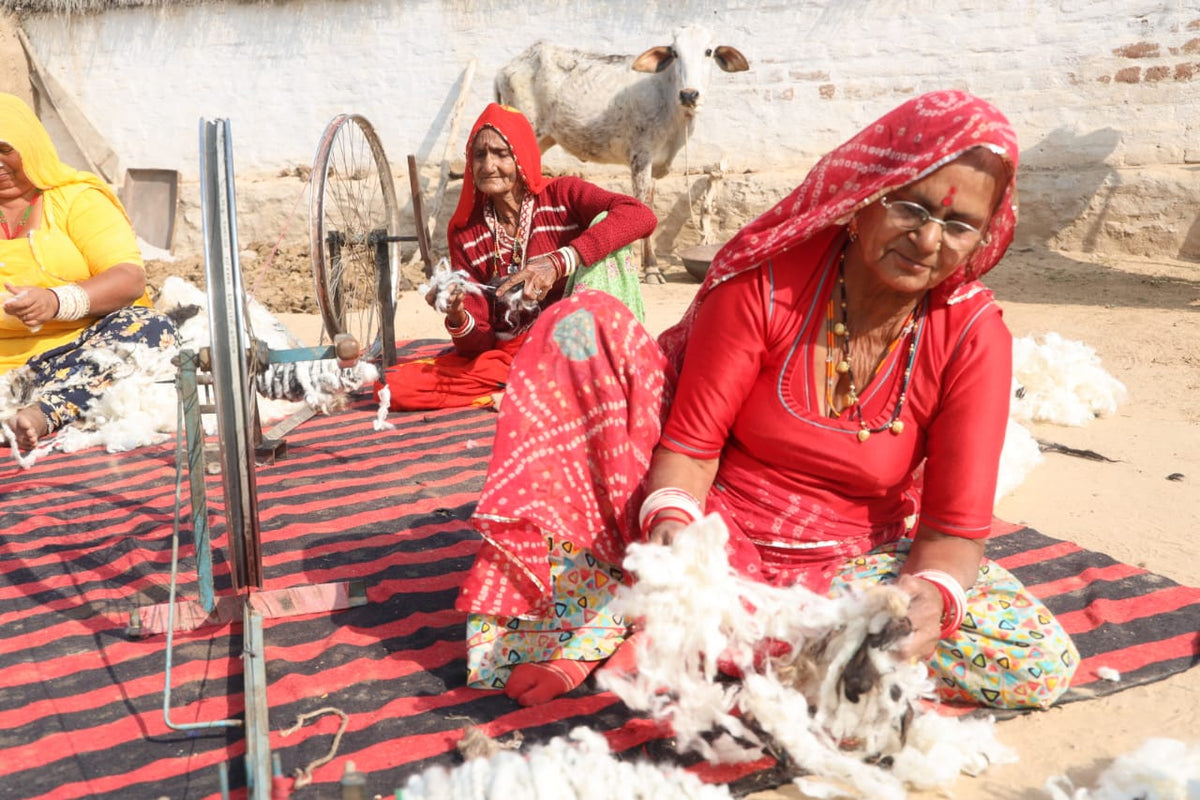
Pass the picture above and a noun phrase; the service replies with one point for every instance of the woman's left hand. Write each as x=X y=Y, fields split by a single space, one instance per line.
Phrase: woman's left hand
x=925 y=614
x=32 y=305
x=540 y=273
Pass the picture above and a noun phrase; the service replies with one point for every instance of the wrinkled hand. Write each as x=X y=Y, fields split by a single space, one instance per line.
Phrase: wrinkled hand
x=539 y=275
x=925 y=613
x=32 y=305
x=455 y=315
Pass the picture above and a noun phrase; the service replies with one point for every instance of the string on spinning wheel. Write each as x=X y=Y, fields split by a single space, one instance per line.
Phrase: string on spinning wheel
x=287 y=223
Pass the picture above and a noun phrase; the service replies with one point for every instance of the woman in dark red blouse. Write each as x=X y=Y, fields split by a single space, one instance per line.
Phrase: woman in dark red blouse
x=514 y=226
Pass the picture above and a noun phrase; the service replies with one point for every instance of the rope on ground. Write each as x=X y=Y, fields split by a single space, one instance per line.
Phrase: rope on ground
x=303 y=775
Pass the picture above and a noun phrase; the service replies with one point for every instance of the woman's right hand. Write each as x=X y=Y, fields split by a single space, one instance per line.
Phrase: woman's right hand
x=32 y=305
x=455 y=314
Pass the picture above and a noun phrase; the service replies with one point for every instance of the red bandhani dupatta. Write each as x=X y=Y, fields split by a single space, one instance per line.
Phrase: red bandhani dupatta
x=901 y=147
x=580 y=419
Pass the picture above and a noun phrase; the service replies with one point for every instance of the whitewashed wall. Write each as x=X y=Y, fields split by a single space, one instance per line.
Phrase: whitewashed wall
x=1101 y=91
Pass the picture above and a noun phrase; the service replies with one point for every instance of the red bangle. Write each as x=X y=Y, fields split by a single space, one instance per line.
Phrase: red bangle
x=953 y=603
x=463 y=329
x=666 y=514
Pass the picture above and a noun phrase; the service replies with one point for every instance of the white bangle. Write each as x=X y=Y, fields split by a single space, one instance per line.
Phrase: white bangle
x=73 y=302
x=669 y=497
x=572 y=257
x=954 y=598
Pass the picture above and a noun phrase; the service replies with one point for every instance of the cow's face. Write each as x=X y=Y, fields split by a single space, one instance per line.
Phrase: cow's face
x=689 y=59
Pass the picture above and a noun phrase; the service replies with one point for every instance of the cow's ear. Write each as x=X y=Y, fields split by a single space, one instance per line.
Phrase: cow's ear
x=731 y=59
x=656 y=59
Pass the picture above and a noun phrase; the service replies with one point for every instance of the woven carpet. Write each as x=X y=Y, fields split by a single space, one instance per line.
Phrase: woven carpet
x=85 y=538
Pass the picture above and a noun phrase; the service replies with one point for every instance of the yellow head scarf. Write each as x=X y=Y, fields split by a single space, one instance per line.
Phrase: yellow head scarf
x=21 y=129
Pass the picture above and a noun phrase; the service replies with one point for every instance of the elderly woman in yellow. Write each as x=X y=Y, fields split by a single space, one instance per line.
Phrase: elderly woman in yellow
x=75 y=308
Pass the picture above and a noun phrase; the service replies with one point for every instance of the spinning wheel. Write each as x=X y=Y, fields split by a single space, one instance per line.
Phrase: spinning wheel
x=353 y=213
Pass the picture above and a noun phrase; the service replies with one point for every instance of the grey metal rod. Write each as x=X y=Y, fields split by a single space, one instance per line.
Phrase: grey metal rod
x=230 y=337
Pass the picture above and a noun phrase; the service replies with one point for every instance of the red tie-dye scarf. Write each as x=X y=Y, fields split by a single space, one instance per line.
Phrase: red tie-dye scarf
x=903 y=146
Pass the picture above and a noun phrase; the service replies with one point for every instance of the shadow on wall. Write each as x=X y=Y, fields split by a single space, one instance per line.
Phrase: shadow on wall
x=1069 y=184
x=1190 y=249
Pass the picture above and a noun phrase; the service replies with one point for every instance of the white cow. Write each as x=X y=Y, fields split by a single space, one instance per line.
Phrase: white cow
x=599 y=108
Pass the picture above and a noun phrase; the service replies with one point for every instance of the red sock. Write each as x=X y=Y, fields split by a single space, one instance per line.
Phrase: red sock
x=623 y=661
x=531 y=684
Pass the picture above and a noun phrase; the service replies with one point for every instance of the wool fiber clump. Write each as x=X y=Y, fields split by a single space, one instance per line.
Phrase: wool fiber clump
x=1061 y=381
x=578 y=766
x=1160 y=769
x=820 y=682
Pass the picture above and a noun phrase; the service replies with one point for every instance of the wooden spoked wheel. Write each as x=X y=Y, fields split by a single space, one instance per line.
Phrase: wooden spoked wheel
x=353 y=206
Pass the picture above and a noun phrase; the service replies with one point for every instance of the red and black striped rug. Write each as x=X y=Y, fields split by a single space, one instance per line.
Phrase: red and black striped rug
x=85 y=538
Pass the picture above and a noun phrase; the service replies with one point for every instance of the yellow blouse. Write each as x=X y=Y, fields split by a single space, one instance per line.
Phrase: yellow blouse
x=82 y=233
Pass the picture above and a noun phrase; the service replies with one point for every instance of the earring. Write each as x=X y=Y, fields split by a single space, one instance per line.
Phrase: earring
x=852 y=227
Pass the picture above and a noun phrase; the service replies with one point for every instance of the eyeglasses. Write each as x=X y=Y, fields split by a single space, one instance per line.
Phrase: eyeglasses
x=956 y=235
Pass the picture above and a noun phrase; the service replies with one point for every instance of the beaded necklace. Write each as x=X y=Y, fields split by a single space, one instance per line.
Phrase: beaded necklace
x=841 y=330
x=13 y=233
x=501 y=241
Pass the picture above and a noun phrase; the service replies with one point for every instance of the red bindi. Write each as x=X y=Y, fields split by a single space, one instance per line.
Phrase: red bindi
x=949 y=198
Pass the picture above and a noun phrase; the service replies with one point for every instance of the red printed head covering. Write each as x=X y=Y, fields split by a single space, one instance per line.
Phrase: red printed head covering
x=903 y=146
x=516 y=130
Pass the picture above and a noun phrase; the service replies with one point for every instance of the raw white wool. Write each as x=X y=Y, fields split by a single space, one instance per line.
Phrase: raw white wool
x=178 y=297
x=137 y=409
x=140 y=407
x=443 y=280
x=381 y=414
x=578 y=766
x=942 y=747
x=1061 y=381
x=1108 y=674
x=1160 y=769
x=1017 y=459
x=322 y=384
x=837 y=692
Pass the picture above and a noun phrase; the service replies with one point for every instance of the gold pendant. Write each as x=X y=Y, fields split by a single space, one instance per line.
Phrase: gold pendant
x=863 y=434
x=839 y=329
x=842 y=367
x=897 y=427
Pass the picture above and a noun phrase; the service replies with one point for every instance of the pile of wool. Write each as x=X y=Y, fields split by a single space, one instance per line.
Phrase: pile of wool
x=1061 y=381
x=822 y=684
x=1019 y=456
x=1161 y=769
x=578 y=766
x=137 y=409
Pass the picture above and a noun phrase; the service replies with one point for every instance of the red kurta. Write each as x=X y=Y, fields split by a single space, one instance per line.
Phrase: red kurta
x=800 y=485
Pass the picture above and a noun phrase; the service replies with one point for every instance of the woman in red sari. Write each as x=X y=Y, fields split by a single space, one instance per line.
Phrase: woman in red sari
x=840 y=347
x=515 y=226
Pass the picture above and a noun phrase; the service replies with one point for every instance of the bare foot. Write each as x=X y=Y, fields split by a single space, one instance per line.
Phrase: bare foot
x=30 y=425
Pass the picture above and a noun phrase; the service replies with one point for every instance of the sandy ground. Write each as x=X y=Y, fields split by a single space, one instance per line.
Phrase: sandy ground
x=1143 y=320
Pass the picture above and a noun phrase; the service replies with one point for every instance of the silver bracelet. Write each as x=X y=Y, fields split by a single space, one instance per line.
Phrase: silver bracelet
x=73 y=302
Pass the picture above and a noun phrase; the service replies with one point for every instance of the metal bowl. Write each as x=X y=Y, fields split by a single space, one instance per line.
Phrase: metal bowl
x=696 y=259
